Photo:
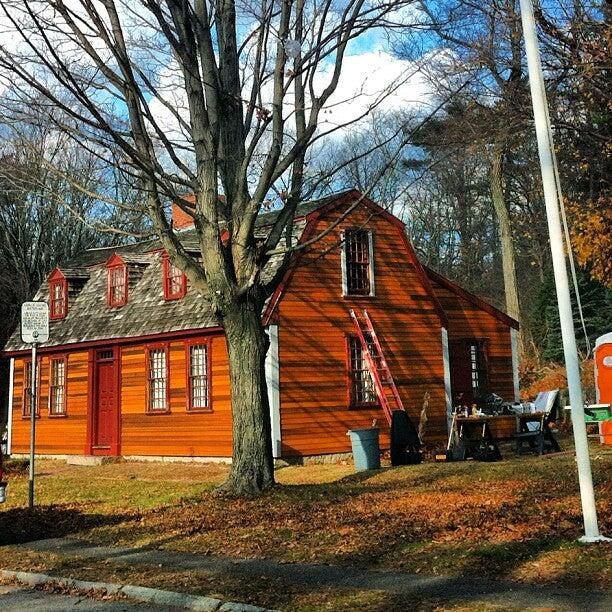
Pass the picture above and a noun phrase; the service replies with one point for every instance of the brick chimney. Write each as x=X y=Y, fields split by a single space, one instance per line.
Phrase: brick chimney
x=180 y=219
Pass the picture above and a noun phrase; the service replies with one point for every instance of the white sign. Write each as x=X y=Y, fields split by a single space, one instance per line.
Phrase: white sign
x=34 y=322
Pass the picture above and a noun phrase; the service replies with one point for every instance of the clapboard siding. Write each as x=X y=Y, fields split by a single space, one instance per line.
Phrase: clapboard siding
x=179 y=433
x=314 y=322
x=54 y=435
x=467 y=320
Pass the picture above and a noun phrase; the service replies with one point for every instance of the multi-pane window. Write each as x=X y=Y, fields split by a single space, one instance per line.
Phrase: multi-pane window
x=175 y=282
x=362 y=389
x=478 y=364
x=157 y=380
x=358 y=262
x=26 y=407
x=198 y=383
x=57 y=387
x=57 y=299
x=474 y=366
x=117 y=285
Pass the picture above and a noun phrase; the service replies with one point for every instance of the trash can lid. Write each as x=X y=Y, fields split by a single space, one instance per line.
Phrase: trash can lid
x=369 y=432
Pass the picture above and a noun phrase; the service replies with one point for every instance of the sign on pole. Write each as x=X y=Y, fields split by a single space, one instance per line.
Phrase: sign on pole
x=34 y=330
x=34 y=322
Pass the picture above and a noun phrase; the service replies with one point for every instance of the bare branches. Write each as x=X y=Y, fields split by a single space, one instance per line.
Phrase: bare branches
x=190 y=96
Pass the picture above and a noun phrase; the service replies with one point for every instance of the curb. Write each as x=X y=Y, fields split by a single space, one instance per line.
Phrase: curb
x=140 y=594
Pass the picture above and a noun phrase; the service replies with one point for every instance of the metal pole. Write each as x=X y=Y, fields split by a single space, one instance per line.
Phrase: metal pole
x=32 y=427
x=545 y=150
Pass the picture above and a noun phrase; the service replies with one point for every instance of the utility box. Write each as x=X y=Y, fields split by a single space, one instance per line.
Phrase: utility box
x=603 y=368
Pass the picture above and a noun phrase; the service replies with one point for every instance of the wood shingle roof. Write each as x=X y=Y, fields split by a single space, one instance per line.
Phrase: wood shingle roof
x=89 y=317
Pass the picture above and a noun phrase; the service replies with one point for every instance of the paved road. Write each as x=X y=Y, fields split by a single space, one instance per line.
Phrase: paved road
x=449 y=589
x=17 y=598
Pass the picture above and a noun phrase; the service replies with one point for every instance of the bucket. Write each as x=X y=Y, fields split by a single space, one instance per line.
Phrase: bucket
x=366 y=448
x=3 y=492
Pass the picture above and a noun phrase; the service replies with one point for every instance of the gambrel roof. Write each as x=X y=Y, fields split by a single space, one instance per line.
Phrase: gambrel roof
x=147 y=312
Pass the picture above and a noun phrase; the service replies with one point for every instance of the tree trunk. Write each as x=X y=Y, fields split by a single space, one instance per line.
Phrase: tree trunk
x=505 y=239
x=247 y=343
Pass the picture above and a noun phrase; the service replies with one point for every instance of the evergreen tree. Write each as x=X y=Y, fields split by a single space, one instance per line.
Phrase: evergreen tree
x=596 y=302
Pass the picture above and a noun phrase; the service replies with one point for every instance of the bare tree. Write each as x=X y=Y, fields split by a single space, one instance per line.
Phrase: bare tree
x=198 y=97
x=485 y=40
x=41 y=212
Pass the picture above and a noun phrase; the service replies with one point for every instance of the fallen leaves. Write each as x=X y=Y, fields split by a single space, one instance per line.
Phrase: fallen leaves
x=506 y=519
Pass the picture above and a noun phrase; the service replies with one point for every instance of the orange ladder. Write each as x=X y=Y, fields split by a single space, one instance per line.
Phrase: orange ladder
x=385 y=386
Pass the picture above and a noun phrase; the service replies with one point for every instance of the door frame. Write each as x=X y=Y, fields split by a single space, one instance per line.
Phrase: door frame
x=114 y=449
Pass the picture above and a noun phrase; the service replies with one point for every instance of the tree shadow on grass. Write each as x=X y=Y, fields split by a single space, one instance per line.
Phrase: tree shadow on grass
x=463 y=559
x=19 y=525
x=345 y=487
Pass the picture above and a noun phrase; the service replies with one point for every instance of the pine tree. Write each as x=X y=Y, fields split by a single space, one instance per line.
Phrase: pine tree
x=596 y=302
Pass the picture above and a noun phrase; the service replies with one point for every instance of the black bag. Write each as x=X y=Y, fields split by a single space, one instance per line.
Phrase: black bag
x=405 y=443
x=485 y=451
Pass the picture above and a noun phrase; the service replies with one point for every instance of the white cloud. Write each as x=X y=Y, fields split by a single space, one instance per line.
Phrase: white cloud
x=375 y=80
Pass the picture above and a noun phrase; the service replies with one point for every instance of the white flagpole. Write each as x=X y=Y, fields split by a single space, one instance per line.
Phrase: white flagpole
x=551 y=191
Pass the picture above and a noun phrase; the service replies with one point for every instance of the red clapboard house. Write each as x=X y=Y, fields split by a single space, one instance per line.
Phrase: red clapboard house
x=136 y=365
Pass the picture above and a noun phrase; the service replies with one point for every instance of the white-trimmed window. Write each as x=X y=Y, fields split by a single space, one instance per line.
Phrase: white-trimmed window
x=27 y=389
x=26 y=406
x=198 y=370
x=57 y=386
x=117 y=285
x=117 y=281
x=475 y=371
x=157 y=380
x=478 y=364
x=357 y=262
x=361 y=391
x=58 y=296
x=175 y=281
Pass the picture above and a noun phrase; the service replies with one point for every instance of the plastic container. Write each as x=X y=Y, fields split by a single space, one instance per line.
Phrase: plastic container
x=603 y=368
x=366 y=448
x=606 y=432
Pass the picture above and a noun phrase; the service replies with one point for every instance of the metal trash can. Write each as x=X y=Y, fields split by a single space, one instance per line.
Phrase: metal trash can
x=366 y=448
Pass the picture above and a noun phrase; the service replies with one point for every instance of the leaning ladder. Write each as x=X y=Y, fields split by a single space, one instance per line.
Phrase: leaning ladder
x=385 y=386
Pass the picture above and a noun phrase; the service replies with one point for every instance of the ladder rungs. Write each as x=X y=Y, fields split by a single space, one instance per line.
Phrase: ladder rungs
x=377 y=365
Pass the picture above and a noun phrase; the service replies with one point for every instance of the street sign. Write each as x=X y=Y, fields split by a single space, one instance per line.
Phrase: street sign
x=34 y=331
x=34 y=322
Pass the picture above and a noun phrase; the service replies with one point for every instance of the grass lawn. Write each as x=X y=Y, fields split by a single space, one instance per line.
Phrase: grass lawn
x=516 y=519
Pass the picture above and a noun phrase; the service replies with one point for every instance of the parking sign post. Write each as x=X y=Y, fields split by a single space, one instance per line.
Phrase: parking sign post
x=34 y=331
x=33 y=408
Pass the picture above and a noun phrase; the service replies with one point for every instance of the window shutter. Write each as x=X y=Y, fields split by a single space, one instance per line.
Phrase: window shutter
x=343 y=263
x=371 y=262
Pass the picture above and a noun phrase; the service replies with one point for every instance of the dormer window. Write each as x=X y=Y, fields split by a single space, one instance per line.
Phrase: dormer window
x=174 y=279
x=58 y=295
x=117 y=282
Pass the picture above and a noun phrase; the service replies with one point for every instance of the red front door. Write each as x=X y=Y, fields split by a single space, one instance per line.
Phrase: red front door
x=105 y=425
x=468 y=369
x=461 y=373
